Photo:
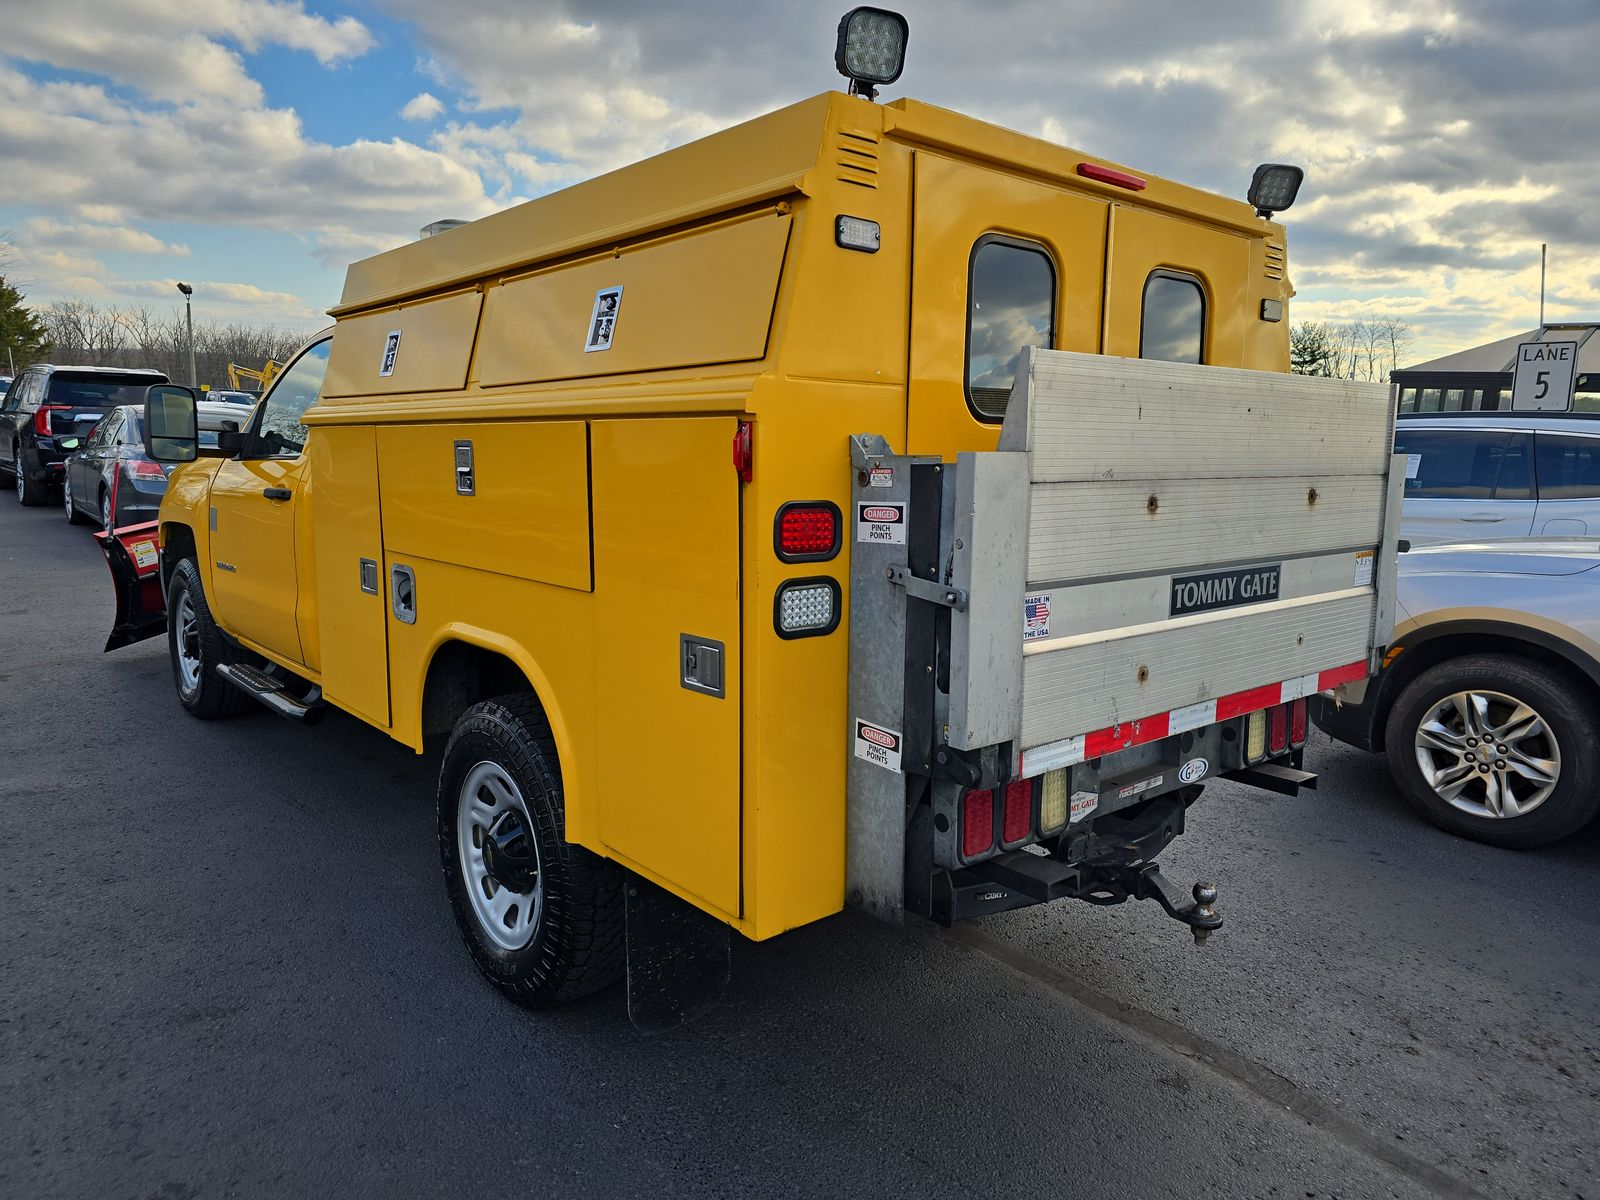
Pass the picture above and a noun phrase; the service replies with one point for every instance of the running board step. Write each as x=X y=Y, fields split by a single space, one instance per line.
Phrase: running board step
x=256 y=683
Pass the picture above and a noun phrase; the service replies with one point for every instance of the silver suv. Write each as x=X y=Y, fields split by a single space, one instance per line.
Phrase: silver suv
x=1488 y=703
x=1477 y=476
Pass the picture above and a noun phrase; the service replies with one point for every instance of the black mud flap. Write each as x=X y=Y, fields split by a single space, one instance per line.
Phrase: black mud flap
x=133 y=555
x=677 y=958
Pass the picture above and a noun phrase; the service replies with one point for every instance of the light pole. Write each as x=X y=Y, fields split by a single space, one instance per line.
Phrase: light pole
x=188 y=320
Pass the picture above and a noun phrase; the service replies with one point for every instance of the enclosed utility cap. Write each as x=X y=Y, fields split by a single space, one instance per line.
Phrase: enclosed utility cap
x=1274 y=187
x=871 y=49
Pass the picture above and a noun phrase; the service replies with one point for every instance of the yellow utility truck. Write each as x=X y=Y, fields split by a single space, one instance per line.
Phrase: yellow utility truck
x=862 y=505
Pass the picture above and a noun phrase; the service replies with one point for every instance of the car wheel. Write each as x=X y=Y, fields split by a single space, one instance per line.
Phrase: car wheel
x=542 y=918
x=1500 y=749
x=74 y=517
x=30 y=491
x=196 y=647
x=105 y=510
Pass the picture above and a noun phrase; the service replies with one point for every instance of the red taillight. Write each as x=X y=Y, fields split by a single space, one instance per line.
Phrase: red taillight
x=1278 y=729
x=1119 y=179
x=1016 y=822
x=807 y=531
x=143 y=468
x=977 y=823
x=41 y=419
x=1297 y=723
x=744 y=452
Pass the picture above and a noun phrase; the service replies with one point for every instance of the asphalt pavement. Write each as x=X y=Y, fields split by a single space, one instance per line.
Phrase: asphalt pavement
x=227 y=968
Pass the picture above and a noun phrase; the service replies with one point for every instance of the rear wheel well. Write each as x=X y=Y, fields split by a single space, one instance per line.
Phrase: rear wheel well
x=461 y=675
x=1413 y=661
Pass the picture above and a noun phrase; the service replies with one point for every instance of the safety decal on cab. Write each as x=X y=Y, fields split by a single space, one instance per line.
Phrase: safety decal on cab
x=882 y=524
x=391 y=351
x=603 y=321
x=1036 y=616
x=878 y=745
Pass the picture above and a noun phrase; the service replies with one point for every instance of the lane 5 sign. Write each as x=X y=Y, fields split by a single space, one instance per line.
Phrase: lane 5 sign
x=1224 y=589
x=1544 y=376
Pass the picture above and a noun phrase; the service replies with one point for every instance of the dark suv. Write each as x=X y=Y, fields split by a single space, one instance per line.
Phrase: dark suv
x=48 y=406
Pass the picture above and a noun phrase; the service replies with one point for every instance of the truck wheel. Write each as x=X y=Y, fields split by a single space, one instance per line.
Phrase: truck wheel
x=30 y=492
x=1498 y=749
x=543 y=918
x=196 y=646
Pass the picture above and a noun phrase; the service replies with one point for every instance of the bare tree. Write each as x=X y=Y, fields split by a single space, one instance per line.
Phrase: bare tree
x=139 y=336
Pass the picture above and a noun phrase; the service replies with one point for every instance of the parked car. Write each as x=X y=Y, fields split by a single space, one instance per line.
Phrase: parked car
x=1488 y=704
x=48 y=403
x=110 y=477
x=228 y=396
x=1477 y=476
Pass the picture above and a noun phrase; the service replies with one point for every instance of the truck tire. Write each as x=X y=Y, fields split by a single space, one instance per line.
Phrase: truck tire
x=30 y=491
x=196 y=646
x=542 y=918
x=1534 y=779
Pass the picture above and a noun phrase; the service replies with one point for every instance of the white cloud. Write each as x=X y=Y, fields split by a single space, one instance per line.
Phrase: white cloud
x=41 y=231
x=424 y=106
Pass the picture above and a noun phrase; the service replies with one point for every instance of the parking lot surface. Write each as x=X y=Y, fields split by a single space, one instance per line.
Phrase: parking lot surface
x=227 y=968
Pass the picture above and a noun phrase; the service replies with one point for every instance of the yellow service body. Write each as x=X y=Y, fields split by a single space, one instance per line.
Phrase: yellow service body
x=608 y=517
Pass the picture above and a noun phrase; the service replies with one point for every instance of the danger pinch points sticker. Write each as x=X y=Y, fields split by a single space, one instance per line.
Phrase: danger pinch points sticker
x=883 y=524
x=878 y=745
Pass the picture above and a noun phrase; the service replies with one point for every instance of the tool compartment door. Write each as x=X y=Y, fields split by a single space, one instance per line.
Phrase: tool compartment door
x=1192 y=533
x=666 y=569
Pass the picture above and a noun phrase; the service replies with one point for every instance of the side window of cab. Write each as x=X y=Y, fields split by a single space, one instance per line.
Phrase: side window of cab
x=278 y=431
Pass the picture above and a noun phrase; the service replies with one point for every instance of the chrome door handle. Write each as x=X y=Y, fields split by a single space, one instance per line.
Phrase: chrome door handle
x=1485 y=517
x=276 y=493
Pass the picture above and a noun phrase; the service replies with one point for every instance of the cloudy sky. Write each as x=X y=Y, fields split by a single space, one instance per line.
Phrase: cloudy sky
x=254 y=147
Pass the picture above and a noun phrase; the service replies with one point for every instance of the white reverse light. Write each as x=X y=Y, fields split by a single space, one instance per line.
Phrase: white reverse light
x=807 y=607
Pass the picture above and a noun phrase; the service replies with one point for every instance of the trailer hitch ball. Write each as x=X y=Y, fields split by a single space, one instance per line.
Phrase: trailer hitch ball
x=1205 y=899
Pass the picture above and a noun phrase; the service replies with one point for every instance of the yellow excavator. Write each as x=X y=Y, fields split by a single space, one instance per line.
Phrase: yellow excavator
x=239 y=378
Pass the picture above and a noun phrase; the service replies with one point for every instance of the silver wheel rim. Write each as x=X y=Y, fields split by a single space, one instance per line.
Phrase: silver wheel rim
x=16 y=470
x=188 y=642
x=66 y=493
x=1488 y=754
x=489 y=811
x=105 y=511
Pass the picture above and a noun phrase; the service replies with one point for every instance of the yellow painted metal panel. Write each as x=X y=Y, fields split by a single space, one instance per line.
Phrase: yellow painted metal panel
x=431 y=353
x=253 y=553
x=666 y=759
x=349 y=621
x=703 y=297
x=528 y=516
x=958 y=203
x=764 y=158
x=1142 y=242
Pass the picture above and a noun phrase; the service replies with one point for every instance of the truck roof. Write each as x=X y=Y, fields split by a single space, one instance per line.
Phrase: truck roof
x=784 y=152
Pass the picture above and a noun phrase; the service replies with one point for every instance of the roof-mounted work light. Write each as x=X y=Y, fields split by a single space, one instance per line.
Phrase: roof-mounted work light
x=871 y=49
x=1274 y=187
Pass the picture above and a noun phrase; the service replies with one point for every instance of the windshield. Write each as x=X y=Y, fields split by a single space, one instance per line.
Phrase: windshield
x=98 y=392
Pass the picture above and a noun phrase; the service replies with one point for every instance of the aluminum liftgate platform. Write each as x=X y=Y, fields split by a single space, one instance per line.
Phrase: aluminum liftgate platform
x=1154 y=547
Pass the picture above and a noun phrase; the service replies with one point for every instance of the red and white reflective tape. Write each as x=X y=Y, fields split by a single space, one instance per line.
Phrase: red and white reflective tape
x=1072 y=750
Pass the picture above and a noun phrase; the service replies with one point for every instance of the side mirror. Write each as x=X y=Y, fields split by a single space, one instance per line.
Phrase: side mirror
x=171 y=429
x=230 y=440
